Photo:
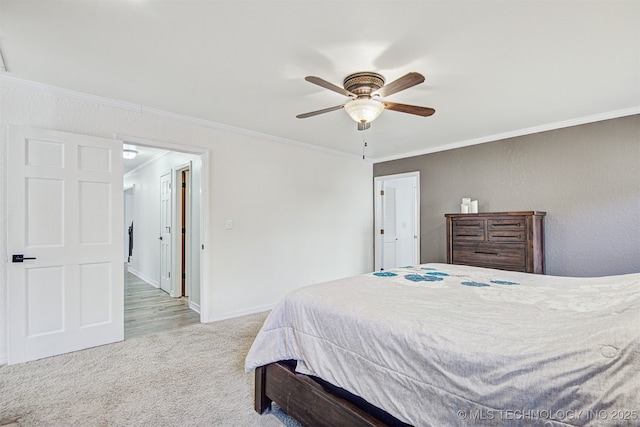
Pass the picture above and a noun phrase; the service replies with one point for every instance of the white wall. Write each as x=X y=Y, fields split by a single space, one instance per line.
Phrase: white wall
x=300 y=215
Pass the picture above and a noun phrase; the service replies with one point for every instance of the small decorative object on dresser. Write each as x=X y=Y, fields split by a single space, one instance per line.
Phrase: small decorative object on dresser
x=504 y=240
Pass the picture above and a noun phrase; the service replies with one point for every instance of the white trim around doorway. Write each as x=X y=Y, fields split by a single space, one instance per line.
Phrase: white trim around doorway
x=378 y=214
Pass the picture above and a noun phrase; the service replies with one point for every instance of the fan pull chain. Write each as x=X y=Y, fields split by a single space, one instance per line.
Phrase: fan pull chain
x=364 y=144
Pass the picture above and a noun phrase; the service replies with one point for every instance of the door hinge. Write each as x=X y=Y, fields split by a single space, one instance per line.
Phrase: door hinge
x=169 y=275
x=381 y=231
x=382 y=192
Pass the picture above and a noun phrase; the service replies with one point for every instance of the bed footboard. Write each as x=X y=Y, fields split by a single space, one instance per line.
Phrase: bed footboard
x=312 y=401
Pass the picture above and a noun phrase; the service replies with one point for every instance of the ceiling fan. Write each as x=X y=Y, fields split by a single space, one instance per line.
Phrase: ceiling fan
x=366 y=90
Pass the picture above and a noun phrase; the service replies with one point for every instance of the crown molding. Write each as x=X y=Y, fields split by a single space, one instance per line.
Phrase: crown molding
x=110 y=102
x=520 y=132
x=42 y=87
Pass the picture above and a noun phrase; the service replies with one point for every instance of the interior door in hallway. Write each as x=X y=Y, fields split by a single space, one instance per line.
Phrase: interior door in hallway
x=166 y=210
x=64 y=240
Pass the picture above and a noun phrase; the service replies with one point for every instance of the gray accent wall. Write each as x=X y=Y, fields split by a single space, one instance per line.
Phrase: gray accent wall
x=586 y=178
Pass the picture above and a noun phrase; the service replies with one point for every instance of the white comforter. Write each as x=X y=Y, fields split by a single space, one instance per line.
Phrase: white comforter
x=446 y=345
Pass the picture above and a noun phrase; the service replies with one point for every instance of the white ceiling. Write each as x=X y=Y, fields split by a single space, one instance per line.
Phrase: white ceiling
x=144 y=155
x=492 y=68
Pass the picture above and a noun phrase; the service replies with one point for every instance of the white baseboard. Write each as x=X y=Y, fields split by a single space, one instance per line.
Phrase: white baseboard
x=194 y=306
x=144 y=277
x=239 y=313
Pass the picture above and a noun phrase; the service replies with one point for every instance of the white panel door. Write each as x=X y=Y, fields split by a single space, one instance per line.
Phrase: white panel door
x=165 y=232
x=405 y=225
x=65 y=218
x=389 y=238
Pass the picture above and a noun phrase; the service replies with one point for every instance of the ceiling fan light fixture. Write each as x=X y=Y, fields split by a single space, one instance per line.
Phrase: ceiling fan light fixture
x=129 y=154
x=363 y=110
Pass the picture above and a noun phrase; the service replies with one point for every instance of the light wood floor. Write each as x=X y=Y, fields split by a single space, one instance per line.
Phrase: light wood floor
x=148 y=309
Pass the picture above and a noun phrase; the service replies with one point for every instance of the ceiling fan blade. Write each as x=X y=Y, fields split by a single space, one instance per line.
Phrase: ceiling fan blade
x=404 y=82
x=411 y=109
x=315 y=113
x=327 y=85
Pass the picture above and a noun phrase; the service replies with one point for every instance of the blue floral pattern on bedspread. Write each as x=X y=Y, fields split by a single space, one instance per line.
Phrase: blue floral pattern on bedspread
x=430 y=274
x=476 y=284
x=504 y=282
x=422 y=278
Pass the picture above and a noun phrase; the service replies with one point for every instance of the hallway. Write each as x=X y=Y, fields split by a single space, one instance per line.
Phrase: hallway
x=148 y=309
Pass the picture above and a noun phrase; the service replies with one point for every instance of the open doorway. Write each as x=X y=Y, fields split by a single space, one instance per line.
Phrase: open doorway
x=183 y=173
x=397 y=219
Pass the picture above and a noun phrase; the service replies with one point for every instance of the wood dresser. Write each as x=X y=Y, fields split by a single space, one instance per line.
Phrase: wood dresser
x=504 y=240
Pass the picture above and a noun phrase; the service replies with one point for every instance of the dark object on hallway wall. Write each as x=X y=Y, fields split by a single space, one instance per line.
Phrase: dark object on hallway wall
x=130 y=242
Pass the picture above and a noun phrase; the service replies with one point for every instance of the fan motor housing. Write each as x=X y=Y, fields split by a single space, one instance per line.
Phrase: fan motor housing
x=363 y=83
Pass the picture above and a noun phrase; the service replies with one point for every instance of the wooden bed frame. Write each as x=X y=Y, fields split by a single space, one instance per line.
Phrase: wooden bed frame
x=312 y=401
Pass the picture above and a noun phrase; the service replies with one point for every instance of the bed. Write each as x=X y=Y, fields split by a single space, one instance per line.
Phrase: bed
x=442 y=344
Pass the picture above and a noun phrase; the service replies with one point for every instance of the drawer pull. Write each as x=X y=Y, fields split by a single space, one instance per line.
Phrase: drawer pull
x=519 y=236
x=507 y=224
x=488 y=253
x=467 y=235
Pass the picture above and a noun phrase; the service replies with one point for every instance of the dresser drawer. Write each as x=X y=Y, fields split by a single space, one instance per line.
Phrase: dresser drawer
x=468 y=230
x=490 y=255
x=506 y=229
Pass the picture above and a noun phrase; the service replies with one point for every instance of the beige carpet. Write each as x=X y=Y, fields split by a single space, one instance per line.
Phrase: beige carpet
x=192 y=376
